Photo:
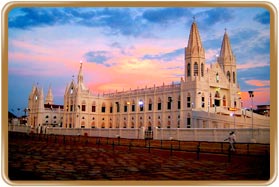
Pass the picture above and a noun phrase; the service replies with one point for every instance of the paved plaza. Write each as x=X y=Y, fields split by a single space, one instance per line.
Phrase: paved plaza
x=49 y=159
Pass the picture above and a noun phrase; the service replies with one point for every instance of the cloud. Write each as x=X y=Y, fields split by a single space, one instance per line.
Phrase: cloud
x=258 y=83
x=165 y=56
x=247 y=77
x=34 y=17
x=98 y=57
x=213 y=16
x=165 y=15
x=263 y=18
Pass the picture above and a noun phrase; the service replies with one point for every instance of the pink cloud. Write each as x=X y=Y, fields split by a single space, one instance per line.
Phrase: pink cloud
x=258 y=83
x=261 y=96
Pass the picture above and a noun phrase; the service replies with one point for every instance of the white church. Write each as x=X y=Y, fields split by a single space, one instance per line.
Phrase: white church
x=203 y=98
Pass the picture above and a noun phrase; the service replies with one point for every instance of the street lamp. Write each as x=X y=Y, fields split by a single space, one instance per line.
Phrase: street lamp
x=233 y=115
x=251 y=95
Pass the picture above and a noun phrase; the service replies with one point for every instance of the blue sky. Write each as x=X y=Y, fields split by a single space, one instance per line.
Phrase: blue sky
x=144 y=44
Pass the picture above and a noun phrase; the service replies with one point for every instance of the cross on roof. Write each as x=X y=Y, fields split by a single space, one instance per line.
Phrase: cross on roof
x=194 y=18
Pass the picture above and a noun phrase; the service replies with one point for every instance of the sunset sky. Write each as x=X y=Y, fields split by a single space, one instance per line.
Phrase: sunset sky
x=123 y=48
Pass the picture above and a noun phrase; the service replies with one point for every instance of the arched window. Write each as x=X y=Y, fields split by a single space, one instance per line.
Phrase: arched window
x=93 y=124
x=202 y=70
x=217 y=77
x=217 y=94
x=126 y=106
x=188 y=100
x=103 y=125
x=229 y=76
x=224 y=101
x=188 y=120
x=150 y=104
x=169 y=124
x=196 y=69
x=111 y=108
x=93 y=106
x=82 y=124
x=103 y=107
x=83 y=106
x=233 y=77
x=178 y=102
x=159 y=104
x=140 y=124
x=133 y=106
x=188 y=69
x=159 y=124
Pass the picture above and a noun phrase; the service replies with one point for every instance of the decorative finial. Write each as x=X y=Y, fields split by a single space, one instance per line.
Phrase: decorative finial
x=225 y=30
x=73 y=76
x=80 y=61
x=194 y=18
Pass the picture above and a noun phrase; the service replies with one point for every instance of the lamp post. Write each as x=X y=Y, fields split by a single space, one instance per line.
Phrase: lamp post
x=233 y=115
x=251 y=95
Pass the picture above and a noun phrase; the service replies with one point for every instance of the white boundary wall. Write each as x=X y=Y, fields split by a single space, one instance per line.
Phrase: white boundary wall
x=243 y=135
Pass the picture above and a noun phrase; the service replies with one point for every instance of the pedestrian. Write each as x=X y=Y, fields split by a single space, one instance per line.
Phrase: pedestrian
x=232 y=140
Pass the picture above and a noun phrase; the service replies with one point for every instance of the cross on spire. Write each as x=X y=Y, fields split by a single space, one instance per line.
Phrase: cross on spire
x=225 y=29
x=194 y=18
x=73 y=76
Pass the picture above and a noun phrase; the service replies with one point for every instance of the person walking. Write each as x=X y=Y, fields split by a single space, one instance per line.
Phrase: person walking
x=232 y=140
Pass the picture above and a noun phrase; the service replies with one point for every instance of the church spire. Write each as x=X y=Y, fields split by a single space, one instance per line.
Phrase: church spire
x=49 y=97
x=194 y=55
x=227 y=60
x=80 y=74
x=194 y=42
x=226 y=55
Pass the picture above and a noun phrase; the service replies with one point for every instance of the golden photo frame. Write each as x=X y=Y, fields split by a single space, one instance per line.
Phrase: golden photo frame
x=273 y=89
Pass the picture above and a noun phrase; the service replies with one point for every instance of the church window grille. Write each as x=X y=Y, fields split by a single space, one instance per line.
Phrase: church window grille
x=103 y=108
x=169 y=103
x=188 y=121
x=117 y=106
x=202 y=69
x=229 y=76
x=150 y=105
x=196 y=69
x=189 y=102
x=233 y=77
x=133 y=106
x=202 y=100
x=189 y=69
x=93 y=108
x=159 y=104
x=169 y=124
x=83 y=108
x=217 y=77
x=125 y=107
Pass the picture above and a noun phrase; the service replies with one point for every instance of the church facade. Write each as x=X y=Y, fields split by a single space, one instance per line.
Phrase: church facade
x=204 y=98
